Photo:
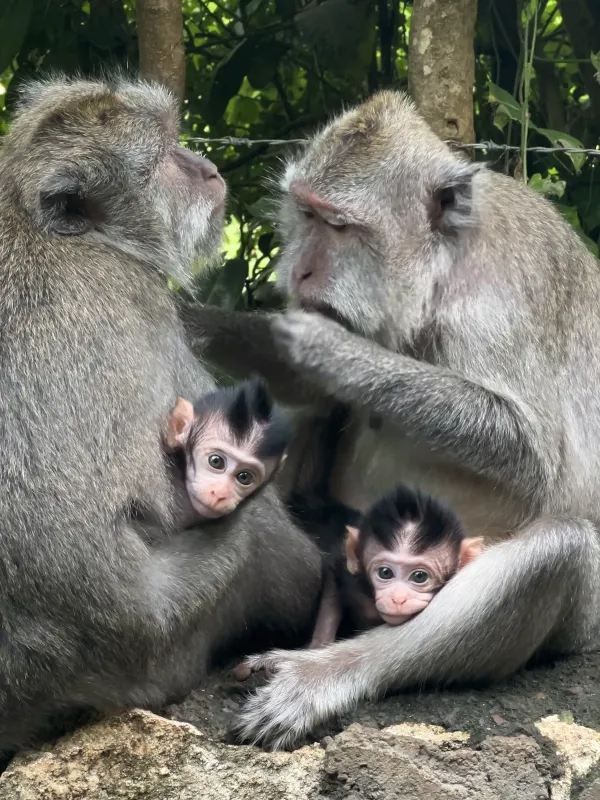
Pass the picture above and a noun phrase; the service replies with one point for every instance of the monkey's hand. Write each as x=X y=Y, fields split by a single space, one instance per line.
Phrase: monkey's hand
x=307 y=340
x=265 y=662
x=301 y=693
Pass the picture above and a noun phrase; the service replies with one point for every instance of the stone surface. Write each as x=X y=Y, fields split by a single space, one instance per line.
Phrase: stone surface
x=536 y=736
x=141 y=755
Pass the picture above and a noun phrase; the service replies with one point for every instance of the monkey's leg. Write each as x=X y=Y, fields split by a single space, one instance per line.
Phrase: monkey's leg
x=329 y=615
x=540 y=590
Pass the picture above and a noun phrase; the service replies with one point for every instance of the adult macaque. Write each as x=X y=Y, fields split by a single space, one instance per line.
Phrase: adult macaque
x=226 y=447
x=98 y=609
x=469 y=352
x=405 y=549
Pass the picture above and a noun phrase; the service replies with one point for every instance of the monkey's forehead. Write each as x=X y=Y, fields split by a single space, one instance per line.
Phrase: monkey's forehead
x=82 y=103
x=384 y=133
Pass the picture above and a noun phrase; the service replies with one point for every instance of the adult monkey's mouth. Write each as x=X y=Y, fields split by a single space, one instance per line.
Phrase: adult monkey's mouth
x=327 y=311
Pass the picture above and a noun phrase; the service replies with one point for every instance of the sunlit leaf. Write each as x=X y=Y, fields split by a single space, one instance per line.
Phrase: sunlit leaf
x=546 y=185
x=507 y=104
x=562 y=139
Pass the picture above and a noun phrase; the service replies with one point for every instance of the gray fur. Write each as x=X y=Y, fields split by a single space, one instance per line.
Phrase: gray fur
x=478 y=347
x=96 y=610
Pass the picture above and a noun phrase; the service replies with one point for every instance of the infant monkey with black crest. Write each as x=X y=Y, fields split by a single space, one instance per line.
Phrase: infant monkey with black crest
x=405 y=548
x=224 y=447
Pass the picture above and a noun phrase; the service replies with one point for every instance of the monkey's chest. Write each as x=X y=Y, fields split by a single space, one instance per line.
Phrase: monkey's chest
x=372 y=458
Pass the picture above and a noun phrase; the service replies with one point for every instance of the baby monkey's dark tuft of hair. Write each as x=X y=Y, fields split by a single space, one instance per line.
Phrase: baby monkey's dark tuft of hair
x=245 y=406
x=427 y=522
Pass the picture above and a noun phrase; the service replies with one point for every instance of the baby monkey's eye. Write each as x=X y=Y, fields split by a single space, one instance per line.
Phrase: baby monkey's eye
x=245 y=478
x=419 y=576
x=385 y=573
x=216 y=461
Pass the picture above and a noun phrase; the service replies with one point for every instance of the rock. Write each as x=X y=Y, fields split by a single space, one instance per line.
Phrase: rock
x=397 y=764
x=592 y=792
x=525 y=739
x=141 y=755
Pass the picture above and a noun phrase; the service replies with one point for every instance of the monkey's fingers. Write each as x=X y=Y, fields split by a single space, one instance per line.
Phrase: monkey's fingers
x=241 y=671
x=266 y=662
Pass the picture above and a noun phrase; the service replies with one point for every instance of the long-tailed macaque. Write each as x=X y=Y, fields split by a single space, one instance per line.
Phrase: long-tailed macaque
x=224 y=448
x=98 y=204
x=405 y=548
x=458 y=320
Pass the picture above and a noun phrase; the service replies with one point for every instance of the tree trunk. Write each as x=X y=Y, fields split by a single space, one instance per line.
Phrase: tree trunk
x=160 y=38
x=441 y=61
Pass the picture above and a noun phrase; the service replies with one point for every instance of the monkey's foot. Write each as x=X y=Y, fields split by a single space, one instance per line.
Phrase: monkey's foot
x=302 y=692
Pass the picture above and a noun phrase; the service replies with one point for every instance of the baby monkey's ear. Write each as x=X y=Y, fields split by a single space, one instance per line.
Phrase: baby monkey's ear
x=469 y=550
x=179 y=423
x=352 y=560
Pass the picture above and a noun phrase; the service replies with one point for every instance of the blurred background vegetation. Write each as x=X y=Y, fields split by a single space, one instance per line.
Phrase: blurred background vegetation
x=522 y=73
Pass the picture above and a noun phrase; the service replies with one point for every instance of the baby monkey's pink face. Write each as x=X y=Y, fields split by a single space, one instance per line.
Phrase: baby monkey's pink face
x=220 y=472
x=221 y=475
x=403 y=582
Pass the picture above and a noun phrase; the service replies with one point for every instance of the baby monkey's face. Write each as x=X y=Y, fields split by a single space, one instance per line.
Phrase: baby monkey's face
x=222 y=467
x=220 y=475
x=404 y=583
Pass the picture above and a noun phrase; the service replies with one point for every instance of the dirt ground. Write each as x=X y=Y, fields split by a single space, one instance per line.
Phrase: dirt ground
x=568 y=688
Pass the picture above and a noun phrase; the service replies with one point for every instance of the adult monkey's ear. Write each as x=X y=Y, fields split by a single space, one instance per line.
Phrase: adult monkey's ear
x=450 y=203
x=64 y=206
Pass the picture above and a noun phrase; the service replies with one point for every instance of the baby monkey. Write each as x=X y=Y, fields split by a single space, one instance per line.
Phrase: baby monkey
x=226 y=446
x=405 y=548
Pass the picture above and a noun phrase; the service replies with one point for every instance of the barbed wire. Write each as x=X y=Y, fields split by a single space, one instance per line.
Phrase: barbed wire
x=484 y=146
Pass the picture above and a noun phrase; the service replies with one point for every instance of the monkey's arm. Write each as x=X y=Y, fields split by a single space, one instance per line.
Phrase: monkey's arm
x=493 y=435
x=241 y=343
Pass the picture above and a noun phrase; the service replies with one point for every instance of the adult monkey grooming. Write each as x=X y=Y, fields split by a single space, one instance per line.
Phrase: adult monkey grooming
x=478 y=347
x=97 y=204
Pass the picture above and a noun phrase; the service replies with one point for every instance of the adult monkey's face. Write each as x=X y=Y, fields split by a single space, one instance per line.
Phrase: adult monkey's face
x=101 y=160
x=371 y=216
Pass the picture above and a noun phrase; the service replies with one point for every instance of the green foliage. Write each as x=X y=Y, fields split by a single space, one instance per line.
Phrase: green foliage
x=277 y=69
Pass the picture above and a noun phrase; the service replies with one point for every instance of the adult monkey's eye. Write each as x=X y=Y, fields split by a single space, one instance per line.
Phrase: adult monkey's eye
x=245 y=478
x=385 y=573
x=418 y=576
x=216 y=461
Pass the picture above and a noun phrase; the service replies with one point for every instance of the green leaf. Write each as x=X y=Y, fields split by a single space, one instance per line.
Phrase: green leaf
x=547 y=185
x=595 y=59
x=230 y=282
x=507 y=104
x=242 y=111
x=562 y=139
x=15 y=16
x=571 y=215
x=254 y=57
